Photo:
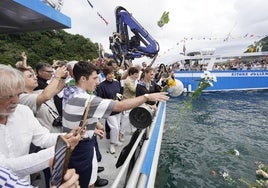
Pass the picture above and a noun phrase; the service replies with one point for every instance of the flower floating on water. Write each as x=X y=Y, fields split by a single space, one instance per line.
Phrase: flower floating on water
x=260 y=183
x=262 y=173
x=233 y=152
x=213 y=172
x=236 y=152
x=262 y=169
x=227 y=177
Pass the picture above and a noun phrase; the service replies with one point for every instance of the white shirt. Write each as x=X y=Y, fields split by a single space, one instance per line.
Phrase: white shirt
x=22 y=129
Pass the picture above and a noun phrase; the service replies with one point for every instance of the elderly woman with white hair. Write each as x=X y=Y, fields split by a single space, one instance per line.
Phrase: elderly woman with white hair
x=19 y=128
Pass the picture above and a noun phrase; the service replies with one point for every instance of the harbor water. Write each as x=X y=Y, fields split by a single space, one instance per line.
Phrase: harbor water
x=198 y=142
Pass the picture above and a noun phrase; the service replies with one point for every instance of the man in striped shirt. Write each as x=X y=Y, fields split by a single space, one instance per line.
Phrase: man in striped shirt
x=75 y=99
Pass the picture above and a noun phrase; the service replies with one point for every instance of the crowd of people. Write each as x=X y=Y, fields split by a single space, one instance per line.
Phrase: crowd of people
x=259 y=64
x=235 y=64
x=37 y=105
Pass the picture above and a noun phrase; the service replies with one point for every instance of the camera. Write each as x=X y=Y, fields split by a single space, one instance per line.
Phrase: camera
x=57 y=122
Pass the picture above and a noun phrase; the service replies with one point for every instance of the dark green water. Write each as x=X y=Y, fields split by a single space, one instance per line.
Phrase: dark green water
x=199 y=140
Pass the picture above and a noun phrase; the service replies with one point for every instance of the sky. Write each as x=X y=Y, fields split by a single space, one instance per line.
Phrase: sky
x=197 y=24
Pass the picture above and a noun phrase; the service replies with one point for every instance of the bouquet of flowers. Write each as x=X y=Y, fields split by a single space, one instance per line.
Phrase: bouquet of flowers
x=207 y=80
x=174 y=87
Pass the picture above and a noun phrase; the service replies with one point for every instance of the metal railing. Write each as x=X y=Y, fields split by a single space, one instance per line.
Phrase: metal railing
x=144 y=171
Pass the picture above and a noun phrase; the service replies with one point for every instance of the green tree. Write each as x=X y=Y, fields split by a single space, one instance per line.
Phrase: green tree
x=46 y=46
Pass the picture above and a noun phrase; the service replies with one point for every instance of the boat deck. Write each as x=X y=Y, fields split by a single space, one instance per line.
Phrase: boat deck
x=109 y=160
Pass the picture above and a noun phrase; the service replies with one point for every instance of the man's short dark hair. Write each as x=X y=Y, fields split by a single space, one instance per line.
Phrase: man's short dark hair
x=41 y=66
x=107 y=70
x=84 y=69
x=110 y=62
x=132 y=70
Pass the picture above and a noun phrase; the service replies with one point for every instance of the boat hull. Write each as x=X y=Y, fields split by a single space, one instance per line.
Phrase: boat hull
x=226 y=80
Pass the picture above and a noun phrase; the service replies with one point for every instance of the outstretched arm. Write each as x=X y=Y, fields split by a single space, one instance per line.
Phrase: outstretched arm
x=137 y=101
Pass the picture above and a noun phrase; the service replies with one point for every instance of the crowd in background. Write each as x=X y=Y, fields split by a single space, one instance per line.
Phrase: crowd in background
x=236 y=64
x=261 y=64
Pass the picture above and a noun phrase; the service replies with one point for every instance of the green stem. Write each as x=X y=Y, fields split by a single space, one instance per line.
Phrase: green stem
x=188 y=105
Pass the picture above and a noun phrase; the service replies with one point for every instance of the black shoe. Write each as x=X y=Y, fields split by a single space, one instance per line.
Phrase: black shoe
x=101 y=182
x=107 y=135
x=100 y=169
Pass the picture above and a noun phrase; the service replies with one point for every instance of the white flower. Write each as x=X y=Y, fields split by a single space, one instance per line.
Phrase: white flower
x=208 y=77
x=236 y=152
x=225 y=175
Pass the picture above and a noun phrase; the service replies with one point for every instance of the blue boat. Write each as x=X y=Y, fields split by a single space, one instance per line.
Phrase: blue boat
x=227 y=80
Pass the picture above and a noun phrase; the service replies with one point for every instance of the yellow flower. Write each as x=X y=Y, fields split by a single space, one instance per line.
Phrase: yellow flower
x=171 y=83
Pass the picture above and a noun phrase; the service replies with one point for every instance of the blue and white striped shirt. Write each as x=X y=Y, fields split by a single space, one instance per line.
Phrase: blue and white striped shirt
x=8 y=179
x=74 y=104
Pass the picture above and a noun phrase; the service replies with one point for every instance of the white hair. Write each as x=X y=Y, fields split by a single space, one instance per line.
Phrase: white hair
x=10 y=79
